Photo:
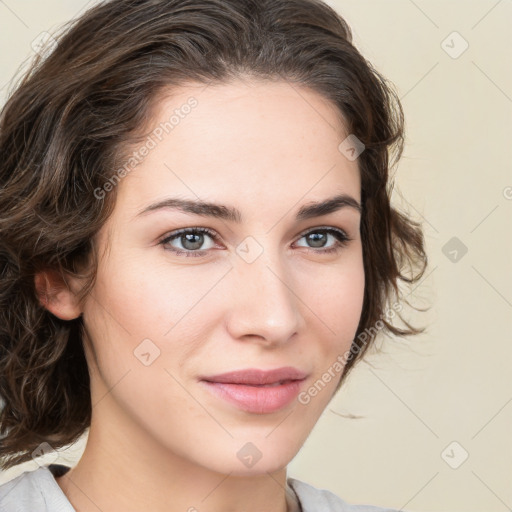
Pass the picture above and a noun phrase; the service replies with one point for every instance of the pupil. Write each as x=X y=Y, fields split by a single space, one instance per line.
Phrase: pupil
x=317 y=237
x=189 y=237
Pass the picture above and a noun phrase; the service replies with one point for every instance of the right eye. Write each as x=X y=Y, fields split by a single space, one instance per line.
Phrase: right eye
x=190 y=239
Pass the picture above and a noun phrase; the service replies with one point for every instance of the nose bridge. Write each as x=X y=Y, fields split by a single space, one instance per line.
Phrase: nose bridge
x=264 y=303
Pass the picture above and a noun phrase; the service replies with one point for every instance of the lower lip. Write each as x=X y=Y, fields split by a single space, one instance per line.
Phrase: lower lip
x=256 y=399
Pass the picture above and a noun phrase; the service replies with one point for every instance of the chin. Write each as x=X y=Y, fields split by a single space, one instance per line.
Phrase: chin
x=259 y=469
x=251 y=459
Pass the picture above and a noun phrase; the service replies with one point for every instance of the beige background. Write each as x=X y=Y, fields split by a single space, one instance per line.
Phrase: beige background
x=428 y=401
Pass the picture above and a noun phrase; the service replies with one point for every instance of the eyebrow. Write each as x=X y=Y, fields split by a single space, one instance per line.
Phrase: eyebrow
x=229 y=213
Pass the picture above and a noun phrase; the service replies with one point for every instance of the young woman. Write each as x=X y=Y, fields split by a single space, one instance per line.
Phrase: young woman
x=196 y=238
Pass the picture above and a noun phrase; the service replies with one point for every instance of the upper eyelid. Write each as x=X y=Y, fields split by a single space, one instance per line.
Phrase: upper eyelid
x=320 y=228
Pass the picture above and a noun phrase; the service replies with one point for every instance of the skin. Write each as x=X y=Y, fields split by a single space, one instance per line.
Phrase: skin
x=159 y=440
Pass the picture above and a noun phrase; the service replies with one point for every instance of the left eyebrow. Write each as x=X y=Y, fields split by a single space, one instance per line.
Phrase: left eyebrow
x=331 y=205
x=232 y=214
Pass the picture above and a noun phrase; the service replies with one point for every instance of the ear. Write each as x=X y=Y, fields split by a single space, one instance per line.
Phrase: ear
x=56 y=295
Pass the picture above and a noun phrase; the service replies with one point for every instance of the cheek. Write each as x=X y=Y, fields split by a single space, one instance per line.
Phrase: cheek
x=123 y=311
x=337 y=300
x=337 y=312
x=137 y=300
x=128 y=320
x=134 y=302
x=159 y=294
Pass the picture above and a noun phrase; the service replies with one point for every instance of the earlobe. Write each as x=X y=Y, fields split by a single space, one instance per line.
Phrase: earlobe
x=55 y=295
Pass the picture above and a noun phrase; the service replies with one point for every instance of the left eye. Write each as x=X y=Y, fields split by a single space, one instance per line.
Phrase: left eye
x=317 y=236
x=191 y=239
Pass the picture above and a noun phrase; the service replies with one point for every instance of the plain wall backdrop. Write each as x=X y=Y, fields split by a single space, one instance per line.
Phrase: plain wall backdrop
x=433 y=412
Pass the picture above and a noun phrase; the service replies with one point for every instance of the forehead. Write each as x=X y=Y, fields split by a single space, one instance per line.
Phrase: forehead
x=257 y=142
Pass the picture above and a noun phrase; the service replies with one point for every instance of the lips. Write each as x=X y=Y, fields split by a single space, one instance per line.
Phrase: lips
x=255 y=377
x=257 y=391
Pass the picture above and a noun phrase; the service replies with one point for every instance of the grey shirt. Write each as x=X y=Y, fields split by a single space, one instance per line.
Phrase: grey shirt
x=38 y=491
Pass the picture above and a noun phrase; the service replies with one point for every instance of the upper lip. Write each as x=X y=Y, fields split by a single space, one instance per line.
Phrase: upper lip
x=253 y=376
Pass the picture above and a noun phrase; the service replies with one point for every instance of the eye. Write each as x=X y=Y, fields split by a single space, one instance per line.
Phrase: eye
x=319 y=236
x=192 y=239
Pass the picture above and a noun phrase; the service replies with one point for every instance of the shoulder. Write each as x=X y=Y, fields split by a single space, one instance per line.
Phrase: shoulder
x=313 y=499
x=31 y=491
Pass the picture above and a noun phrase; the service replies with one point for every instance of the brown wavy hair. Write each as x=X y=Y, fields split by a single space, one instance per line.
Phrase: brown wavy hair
x=64 y=131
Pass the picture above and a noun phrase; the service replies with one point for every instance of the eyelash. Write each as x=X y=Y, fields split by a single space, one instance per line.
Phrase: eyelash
x=341 y=237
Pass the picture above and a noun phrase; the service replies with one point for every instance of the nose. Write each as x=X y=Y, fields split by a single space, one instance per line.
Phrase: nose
x=264 y=306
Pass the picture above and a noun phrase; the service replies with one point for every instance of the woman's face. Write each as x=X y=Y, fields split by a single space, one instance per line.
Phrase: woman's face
x=260 y=291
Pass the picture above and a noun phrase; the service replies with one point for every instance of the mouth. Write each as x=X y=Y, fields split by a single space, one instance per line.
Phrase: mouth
x=256 y=398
